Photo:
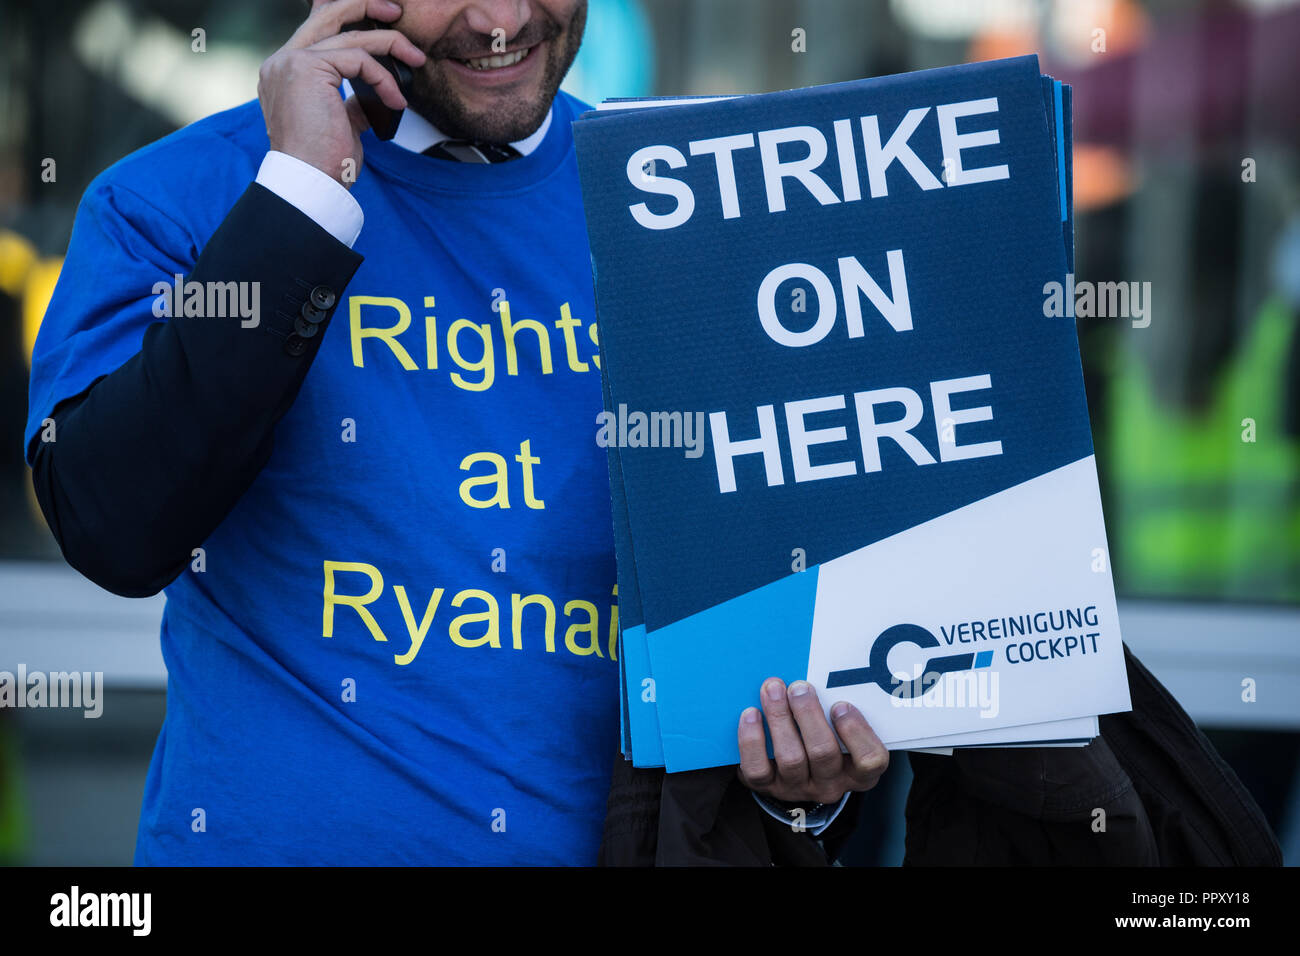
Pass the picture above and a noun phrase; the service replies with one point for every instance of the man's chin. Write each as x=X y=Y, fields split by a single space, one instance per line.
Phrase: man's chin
x=489 y=127
x=508 y=123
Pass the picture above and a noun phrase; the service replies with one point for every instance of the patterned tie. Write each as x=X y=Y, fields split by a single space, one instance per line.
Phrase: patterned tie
x=466 y=151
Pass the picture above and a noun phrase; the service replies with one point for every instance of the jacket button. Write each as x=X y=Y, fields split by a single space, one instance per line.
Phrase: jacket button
x=305 y=328
x=322 y=297
x=312 y=314
x=295 y=345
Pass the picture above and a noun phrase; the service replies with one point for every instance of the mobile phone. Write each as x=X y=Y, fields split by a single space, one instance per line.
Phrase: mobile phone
x=383 y=121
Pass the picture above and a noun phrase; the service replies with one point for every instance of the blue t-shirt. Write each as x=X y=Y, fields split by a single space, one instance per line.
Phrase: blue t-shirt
x=400 y=646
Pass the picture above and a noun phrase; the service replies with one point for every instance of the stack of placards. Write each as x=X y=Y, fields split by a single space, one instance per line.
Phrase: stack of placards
x=847 y=441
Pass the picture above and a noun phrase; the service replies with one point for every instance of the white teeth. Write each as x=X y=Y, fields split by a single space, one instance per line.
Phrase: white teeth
x=496 y=62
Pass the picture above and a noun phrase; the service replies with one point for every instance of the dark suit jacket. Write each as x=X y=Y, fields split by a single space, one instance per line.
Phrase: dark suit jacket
x=152 y=457
x=1149 y=791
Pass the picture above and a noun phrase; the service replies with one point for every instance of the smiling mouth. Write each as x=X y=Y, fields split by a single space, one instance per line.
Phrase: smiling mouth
x=497 y=61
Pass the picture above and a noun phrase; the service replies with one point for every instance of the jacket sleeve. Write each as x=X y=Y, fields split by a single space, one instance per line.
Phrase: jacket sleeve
x=135 y=471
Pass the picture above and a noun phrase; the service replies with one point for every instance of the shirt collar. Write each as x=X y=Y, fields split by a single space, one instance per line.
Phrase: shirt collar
x=417 y=134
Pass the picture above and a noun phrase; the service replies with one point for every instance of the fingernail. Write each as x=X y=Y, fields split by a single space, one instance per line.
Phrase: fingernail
x=841 y=710
x=799 y=688
x=750 y=715
x=774 y=690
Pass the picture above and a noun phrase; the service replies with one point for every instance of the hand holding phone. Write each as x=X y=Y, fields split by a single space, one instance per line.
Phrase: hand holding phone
x=298 y=85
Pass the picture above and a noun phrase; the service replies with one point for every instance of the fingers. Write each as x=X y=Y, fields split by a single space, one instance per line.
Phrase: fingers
x=350 y=55
x=809 y=763
x=787 y=745
x=825 y=761
x=327 y=19
x=867 y=758
x=756 y=771
x=352 y=62
x=376 y=43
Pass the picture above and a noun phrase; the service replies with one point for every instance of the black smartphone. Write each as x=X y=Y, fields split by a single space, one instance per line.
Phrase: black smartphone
x=382 y=119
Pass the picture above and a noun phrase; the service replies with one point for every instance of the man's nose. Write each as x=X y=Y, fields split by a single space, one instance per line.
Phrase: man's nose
x=509 y=16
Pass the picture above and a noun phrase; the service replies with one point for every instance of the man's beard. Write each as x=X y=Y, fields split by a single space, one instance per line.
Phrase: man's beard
x=435 y=99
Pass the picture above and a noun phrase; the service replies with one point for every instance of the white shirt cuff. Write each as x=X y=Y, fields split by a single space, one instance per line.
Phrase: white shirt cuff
x=814 y=822
x=322 y=199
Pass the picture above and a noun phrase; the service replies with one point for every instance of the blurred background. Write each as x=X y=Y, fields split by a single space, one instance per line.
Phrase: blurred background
x=1186 y=175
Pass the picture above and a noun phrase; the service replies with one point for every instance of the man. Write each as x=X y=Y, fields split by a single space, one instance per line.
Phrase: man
x=390 y=626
